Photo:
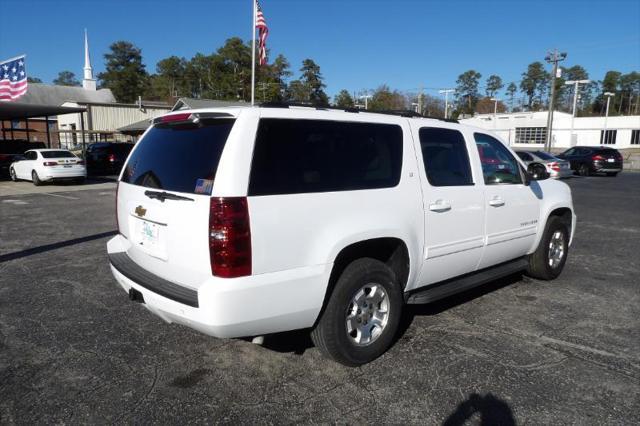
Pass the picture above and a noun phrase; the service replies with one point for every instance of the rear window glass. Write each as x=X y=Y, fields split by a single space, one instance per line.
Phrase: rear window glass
x=303 y=156
x=180 y=158
x=122 y=148
x=544 y=156
x=57 y=154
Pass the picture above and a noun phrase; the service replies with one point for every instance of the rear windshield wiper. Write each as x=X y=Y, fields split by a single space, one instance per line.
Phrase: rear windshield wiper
x=166 y=196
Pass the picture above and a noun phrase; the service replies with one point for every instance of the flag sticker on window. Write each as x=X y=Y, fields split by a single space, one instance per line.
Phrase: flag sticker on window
x=204 y=186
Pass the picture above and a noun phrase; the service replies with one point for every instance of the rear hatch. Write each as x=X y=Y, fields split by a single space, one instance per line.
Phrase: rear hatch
x=164 y=197
x=607 y=159
x=62 y=161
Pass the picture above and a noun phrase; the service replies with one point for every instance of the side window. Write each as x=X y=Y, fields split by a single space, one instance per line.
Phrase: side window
x=498 y=165
x=445 y=157
x=524 y=156
x=31 y=155
x=571 y=151
x=303 y=156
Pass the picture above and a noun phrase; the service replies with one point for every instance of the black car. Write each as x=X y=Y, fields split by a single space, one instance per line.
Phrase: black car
x=107 y=157
x=587 y=160
x=5 y=162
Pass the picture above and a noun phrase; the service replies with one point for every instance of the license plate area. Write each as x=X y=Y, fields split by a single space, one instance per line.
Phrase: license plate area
x=150 y=237
x=610 y=160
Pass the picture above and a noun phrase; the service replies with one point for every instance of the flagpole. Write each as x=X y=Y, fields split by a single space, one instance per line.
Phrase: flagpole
x=253 y=54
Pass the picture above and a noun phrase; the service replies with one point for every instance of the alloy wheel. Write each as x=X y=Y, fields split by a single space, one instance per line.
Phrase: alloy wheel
x=367 y=314
x=556 y=249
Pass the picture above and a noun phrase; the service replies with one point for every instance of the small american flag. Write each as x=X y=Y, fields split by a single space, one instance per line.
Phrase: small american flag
x=263 y=32
x=13 y=79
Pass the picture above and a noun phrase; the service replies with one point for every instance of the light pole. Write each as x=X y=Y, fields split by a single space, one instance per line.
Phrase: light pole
x=552 y=58
x=576 y=84
x=495 y=111
x=366 y=101
x=606 y=114
x=446 y=92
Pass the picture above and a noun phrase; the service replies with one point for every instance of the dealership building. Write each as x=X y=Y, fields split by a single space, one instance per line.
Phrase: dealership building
x=529 y=129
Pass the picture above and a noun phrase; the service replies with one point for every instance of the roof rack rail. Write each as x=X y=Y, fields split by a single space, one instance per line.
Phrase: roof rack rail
x=401 y=112
x=280 y=104
x=414 y=114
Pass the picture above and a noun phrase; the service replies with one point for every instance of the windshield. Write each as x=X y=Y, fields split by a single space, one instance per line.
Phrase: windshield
x=180 y=157
x=57 y=154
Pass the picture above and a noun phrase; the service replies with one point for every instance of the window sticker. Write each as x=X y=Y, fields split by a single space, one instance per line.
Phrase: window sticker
x=204 y=186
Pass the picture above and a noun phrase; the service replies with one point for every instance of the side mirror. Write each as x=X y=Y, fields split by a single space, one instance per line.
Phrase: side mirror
x=537 y=171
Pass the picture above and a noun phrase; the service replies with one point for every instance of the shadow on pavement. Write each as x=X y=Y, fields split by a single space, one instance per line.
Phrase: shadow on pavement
x=435 y=308
x=298 y=341
x=53 y=246
x=492 y=411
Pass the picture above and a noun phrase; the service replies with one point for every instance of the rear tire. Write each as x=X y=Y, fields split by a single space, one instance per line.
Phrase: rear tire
x=547 y=262
x=612 y=174
x=362 y=315
x=34 y=177
x=12 y=174
x=583 y=170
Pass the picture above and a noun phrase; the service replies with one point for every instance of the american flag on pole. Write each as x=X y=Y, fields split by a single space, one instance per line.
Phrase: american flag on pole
x=13 y=79
x=263 y=32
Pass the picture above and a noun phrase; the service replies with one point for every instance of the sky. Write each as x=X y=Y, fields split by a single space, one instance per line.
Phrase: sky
x=358 y=44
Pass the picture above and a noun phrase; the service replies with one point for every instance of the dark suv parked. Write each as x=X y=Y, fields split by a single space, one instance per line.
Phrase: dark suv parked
x=106 y=157
x=587 y=160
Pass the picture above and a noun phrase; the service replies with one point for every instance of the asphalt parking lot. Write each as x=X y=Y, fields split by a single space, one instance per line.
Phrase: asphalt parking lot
x=73 y=349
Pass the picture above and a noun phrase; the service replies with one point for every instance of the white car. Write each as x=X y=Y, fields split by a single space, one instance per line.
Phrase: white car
x=44 y=165
x=255 y=220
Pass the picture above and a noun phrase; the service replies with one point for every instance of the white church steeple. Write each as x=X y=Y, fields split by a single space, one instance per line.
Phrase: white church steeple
x=88 y=82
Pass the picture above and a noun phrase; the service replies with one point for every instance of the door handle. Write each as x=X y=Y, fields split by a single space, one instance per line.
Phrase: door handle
x=496 y=202
x=440 y=206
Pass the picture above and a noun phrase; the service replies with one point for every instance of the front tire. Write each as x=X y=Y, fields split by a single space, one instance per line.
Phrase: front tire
x=12 y=175
x=547 y=262
x=34 y=177
x=362 y=315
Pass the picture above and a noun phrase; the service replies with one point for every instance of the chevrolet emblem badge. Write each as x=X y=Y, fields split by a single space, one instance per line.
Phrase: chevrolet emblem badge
x=140 y=211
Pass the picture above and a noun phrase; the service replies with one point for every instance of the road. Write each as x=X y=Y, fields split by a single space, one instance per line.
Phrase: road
x=73 y=349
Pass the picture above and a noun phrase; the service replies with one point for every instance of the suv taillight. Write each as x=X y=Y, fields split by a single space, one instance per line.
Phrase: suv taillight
x=117 y=221
x=229 y=237
x=597 y=157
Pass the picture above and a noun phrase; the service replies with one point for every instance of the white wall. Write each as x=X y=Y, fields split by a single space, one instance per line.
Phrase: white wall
x=586 y=129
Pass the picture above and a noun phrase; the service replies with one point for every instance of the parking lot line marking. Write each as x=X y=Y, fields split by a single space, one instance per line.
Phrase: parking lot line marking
x=61 y=196
x=16 y=202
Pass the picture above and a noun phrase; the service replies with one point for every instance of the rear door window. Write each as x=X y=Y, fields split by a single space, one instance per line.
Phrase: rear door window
x=302 y=156
x=445 y=156
x=179 y=157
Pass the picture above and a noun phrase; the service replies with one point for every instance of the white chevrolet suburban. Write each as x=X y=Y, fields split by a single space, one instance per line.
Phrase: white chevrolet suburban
x=254 y=220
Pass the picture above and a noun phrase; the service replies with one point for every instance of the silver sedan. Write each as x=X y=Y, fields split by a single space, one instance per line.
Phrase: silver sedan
x=556 y=167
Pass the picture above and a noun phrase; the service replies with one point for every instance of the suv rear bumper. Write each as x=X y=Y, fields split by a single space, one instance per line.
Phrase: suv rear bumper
x=247 y=306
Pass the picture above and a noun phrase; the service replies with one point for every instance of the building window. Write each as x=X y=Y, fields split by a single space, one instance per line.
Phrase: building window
x=531 y=135
x=608 y=137
x=635 y=137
